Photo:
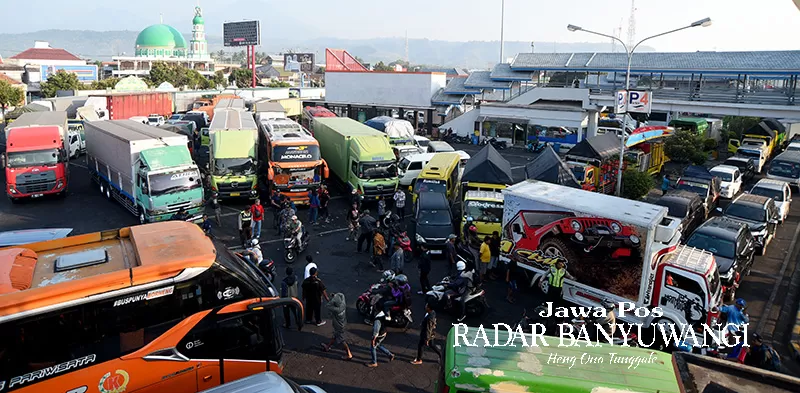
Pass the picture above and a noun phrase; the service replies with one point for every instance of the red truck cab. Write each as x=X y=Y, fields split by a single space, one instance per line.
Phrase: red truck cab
x=36 y=162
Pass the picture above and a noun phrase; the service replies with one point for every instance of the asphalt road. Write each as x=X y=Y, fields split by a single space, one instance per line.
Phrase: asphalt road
x=343 y=270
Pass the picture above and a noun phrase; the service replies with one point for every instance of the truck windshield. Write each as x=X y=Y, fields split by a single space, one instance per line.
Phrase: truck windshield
x=434 y=217
x=485 y=211
x=751 y=142
x=23 y=159
x=746 y=212
x=717 y=246
x=749 y=153
x=295 y=153
x=425 y=185
x=784 y=169
x=235 y=166
x=168 y=183
x=378 y=170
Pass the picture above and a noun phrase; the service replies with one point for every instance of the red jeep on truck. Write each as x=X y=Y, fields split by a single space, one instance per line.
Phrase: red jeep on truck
x=541 y=237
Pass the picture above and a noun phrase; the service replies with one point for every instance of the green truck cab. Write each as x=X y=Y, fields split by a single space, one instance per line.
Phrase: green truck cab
x=168 y=177
x=233 y=157
x=360 y=156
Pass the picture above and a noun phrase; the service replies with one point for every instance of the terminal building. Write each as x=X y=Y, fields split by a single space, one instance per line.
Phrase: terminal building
x=164 y=43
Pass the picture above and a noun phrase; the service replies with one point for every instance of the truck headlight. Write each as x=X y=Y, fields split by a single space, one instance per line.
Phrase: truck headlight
x=12 y=190
x=634 y=239
x=576 y=226
x=615 y=227
x=60 y=184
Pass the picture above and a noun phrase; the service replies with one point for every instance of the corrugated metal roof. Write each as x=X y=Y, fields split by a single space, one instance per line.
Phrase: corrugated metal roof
x=45 y=54
x=456 y=86
x=483 y=80
x=503 y=71
x=442 y=98
x=764 y=62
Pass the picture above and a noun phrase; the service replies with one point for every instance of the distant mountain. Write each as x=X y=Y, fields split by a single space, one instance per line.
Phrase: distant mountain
x=102 y=45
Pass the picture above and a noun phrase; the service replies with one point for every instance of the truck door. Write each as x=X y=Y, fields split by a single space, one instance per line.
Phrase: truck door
x=683 y=293
x=733 y=145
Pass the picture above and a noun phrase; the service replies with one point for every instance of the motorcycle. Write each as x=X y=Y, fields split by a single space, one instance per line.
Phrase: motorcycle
x=291 y=247
x=499 y=145
x=400 y=316
x=537 y=147
x=475 y=303
x=267 y=266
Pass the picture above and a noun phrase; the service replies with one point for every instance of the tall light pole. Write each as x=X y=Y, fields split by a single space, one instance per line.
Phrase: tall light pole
x=700 y=23
x=502 y=25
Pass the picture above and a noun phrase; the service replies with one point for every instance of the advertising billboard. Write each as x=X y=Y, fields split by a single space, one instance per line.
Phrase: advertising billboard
x=302 y=62
x=87 y=73
x=244 y=33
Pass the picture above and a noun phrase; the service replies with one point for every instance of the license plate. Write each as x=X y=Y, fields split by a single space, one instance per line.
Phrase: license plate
x=37 y=195
x=436 y=252
x=233 y=194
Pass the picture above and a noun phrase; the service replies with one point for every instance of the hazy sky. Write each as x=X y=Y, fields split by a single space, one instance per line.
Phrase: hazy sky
x=737 y=24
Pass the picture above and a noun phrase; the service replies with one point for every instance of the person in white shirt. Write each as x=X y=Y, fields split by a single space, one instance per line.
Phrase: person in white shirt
x=400 y=203
x=310 y=264
x=253 y=253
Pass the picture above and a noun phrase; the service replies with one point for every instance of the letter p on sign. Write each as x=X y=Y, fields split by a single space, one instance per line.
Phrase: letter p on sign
x=622 y=102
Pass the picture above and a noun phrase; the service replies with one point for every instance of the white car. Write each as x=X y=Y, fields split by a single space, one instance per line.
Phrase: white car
x=779 y=191
x=155 y=120
x=422 y=141
x=793 y=146
x=730 y=180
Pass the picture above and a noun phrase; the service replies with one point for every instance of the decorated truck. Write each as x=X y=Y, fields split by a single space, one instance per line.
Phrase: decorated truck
x=617 y=249
x=595 y=162
x=644 y=149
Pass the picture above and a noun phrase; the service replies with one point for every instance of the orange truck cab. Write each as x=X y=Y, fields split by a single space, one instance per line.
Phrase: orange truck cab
x=294 y=164
x=146 y=309
x=36 y=159
x=208 y=105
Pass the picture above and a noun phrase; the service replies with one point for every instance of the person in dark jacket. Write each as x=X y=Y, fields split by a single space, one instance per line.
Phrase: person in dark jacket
x=324 y=199
x=367 y=224
x=424 y=269
x=427 y=334
x=289 y=289
x=338 y=310
x=313 y=204
x=313 y=293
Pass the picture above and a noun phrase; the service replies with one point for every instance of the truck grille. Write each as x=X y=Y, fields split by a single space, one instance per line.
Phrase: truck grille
x=178 y=206
x=34 y=182
x=378 y=190
x=233 y=187
x=35 y=188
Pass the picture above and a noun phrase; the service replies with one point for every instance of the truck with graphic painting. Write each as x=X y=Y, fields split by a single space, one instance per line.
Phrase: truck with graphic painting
x=616 y=249
x=485 y=174
x=595 y=162
x=644 y=149
x=149 y=171
x=233 y=154
x=291 y=161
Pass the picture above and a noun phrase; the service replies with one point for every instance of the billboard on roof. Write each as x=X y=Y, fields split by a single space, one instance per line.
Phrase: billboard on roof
x=302 y=62
x=85 y=73
x=244 y=33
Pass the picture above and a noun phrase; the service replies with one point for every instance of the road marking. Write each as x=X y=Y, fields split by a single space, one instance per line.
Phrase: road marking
x=768 y=307
x=513 y=168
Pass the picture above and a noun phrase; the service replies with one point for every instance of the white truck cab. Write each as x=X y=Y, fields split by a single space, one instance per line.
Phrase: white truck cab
x=757 y=152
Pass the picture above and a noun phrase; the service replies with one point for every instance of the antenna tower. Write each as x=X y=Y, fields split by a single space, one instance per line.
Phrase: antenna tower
x=632 y=25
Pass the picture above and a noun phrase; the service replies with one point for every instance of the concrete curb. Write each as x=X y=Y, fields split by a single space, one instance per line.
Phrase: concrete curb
x=794 y=344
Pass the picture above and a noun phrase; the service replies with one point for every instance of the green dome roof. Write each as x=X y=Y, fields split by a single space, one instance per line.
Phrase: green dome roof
x=160 y=36
x=198 y=20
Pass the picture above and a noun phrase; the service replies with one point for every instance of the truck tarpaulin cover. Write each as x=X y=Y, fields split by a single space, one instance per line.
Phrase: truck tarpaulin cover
x=395 y=129
x=602 y=147
x=488 y=166
x=774 y=125
x=761 y=129
x=548 y=167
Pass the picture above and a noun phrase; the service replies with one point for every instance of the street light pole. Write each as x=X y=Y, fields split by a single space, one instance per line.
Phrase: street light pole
x=702 y=23
x=502 y=26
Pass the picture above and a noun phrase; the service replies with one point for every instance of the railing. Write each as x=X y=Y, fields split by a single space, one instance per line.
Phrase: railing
x=726 y=95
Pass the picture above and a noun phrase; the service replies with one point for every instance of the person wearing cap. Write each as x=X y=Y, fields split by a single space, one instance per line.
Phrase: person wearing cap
x=555 y=280
x=313 y=292
x=735 y=314
x=289 y=289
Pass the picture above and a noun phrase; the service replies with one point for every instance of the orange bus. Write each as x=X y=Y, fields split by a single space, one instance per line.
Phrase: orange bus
x=150 y=308
x=293 y=165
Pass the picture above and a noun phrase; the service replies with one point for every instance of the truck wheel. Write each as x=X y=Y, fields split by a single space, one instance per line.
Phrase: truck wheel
x=554 y=247
x=102 y=186
x=108 y=192
x=14 y=200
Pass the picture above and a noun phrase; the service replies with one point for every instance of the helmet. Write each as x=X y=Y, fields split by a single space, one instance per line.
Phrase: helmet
x=470 y=219
x=294 y=218
x=401 y=279
x=461 y=266
x=254 y=242
x=387 y=276
x=608 y=304
x=741 y=302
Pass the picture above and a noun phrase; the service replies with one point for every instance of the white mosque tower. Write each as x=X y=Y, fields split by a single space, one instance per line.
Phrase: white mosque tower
x=198 y=46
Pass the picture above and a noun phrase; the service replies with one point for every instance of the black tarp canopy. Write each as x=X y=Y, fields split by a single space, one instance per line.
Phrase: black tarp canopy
x=488 y=166
x=601 y=147
x=774 y=125
x=548 y=167
x=761 y=128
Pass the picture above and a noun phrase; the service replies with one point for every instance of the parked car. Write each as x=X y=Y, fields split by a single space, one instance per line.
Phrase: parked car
x=265 y=382
x=745 y=165
x=686 y=207
x=439 y=147
x=155 y=120
x=410 y=167
x=786 y=167
x=730 y=180
x=422 y=141
x=779 y=191
x=733 y=247
x=175 y=117
x=759 y=213
x=793 y=146
x=433 y=221
x=707 y=189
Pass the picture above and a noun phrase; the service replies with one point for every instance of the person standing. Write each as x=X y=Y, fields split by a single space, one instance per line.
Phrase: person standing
x=494 y=247
x=379 y=249
x=309 y=264
x=378 y=335
x=245 y=222
x=381 y=207
x=424 y=269
x=289 y=289
x=367 y=224
x=257 y=212
x=450 y=253
x=400 y=203
x=313 y=293
x=427 y=334
x=398 y=259
x=555 y=279
x=475 y=244
x=512 y=274
x=352 y=222
x=213 y=203
x=276 y=203
x=485 y=254
x=337 y=308
x=665 y=184
x=285 y=218
x=313 y=204
x=324 y=199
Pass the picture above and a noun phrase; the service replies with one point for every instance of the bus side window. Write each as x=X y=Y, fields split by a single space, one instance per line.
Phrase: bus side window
x=244 y=335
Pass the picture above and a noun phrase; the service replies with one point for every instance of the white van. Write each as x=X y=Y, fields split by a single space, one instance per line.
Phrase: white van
x=410 y=166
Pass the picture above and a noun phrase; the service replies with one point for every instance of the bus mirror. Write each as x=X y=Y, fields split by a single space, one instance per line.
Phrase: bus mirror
x=280 y=302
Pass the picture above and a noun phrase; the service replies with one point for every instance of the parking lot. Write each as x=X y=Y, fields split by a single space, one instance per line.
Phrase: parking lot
x=767 y=290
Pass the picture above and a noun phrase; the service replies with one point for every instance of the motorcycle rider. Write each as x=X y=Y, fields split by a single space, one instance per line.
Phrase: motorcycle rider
x=736 y=315
x=401 y=295
x=460 y=287
x=253 y=253
x=296 y=230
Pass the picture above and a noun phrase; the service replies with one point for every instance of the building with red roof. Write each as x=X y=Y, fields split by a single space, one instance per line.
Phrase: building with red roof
x=43 y=54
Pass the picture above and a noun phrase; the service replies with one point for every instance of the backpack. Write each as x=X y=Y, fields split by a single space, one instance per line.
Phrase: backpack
x=772 y=360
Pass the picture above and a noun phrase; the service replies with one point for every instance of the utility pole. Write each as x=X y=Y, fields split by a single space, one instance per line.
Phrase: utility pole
x=632 y=25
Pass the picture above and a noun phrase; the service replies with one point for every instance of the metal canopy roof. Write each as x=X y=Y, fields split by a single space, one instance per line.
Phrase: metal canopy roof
x=442 y=98
x=456 y=86
x=503 y=72
x=483 y=80
x=752 y=63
